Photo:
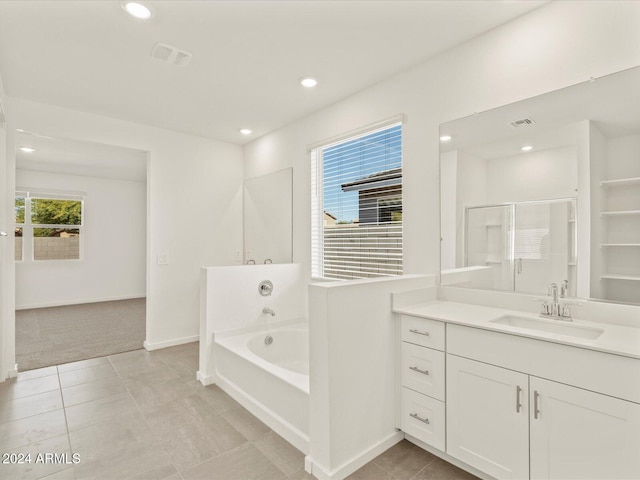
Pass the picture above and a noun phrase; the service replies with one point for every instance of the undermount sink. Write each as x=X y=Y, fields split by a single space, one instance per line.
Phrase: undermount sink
x=558 y=327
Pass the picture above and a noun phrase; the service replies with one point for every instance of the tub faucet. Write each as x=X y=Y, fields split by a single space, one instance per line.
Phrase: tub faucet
x=268 y=311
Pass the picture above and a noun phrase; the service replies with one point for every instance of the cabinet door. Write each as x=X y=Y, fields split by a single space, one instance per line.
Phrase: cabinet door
x=488 y=418
x=578 y=434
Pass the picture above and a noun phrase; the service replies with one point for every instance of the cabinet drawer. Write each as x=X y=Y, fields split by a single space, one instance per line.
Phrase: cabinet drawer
x=423 y=417
x=422 y=331
x=422 y=370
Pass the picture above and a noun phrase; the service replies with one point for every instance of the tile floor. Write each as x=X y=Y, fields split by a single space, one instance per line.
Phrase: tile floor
x=142 y=415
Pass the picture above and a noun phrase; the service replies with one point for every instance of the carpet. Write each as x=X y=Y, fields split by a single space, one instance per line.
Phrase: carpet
x=57 y=335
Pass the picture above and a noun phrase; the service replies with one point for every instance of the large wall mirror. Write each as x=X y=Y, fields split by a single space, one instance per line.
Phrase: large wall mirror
x=546 y=190
x=268 y=217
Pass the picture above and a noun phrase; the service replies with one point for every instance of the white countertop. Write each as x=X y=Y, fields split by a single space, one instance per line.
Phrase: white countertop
x=616 y=339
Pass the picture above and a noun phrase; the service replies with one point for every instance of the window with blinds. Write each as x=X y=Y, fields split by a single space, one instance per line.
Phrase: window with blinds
x=357 y=206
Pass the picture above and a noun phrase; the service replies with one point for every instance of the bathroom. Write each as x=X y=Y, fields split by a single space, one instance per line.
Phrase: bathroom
x=542 y=51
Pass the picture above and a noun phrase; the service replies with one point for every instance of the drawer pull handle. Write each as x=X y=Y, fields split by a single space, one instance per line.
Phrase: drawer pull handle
x=416 y=369
x=418 y=417
x=419 y=332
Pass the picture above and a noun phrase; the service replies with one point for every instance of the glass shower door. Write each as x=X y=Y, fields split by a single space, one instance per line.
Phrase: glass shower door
x=488 y=246
x=542 y=245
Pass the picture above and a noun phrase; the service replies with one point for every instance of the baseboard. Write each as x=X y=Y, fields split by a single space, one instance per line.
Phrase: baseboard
x=170 y=343
x=204 y=380
x=78 y=302
x=355 y=463
x=13 y=373
x=274 y=421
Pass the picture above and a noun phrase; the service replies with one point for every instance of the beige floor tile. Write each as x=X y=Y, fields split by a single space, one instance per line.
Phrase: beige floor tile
x=91 y=362
x=32 y=429
x=217 y=398
x=192 y=432
x=67 y=474
x=87 y=392
x=281 y=453
x=441 y=470
x=29 y=406
x=404 y=460
x=370 y=471
x=101 y=410
x=86 y=375
x=153 y=395
x=37 y=373
x=243 y=463
x=12 y=388
x=246 y=423
x=140 y=462
x=111 y=438
x=39 y=465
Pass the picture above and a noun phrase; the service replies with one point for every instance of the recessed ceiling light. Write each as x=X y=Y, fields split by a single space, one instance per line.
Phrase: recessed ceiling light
x=308 y=82
x=27 y=149
x=245 y=131
x=526 y=148
x=137 y=10
x=445 y=138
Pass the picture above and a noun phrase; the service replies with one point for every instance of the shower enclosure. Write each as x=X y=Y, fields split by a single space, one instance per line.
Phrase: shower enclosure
x=527 y=245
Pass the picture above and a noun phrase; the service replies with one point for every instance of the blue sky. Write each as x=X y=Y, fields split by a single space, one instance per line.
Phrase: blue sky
x=355 y=159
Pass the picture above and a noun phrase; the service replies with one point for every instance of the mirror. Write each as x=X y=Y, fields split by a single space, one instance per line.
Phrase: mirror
x=268 y=218
x=546 y=190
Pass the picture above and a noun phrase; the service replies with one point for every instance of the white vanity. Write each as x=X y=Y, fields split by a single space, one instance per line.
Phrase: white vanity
x=518 y=399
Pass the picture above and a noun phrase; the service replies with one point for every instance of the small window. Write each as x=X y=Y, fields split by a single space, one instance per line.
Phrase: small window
x=49 y=226
x=357 y=206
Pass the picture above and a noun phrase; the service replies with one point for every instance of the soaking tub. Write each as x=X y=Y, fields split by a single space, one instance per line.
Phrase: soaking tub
x=267 y=371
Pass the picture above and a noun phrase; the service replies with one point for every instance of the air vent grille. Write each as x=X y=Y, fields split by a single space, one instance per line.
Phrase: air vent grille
x=169 y=54
x=521 y=123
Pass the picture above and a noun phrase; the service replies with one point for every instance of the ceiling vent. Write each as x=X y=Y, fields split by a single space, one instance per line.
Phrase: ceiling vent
x=521 y=123
x=169 y=54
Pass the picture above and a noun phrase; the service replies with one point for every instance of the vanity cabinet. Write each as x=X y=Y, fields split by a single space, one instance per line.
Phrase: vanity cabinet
x=422 y=378
x=511 y=425
x=505 y=419
x=517 y=407
x=488 y=417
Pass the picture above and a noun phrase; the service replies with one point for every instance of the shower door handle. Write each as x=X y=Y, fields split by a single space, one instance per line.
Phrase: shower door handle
x=519 y=265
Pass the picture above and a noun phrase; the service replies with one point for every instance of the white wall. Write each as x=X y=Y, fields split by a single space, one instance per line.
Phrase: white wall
x=194 y=206
x=560 y=44
x=230 y=301
x=114 y=237
x=542 y=175
x=352 y=361
x=7 y=266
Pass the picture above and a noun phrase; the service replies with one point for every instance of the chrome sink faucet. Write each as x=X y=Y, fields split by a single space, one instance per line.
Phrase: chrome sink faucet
x=268 y=311
x=554 y=309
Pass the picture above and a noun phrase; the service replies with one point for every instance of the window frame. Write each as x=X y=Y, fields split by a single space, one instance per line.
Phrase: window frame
x=28 y=238
x=315 y=152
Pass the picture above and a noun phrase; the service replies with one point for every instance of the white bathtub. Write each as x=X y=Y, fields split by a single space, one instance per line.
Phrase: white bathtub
x=270 y=380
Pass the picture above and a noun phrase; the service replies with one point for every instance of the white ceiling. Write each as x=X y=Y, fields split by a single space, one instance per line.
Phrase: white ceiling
x=57 y=155
x=612 y=102
x=247 y=55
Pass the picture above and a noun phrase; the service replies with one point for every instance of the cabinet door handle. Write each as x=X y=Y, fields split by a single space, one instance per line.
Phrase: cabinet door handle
x=536 y=410
x=418 y=417
x=416 y=369
x=426 y=334
x=518 y=404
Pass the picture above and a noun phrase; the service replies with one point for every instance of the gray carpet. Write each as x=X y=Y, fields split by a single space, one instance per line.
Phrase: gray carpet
x=56 y=335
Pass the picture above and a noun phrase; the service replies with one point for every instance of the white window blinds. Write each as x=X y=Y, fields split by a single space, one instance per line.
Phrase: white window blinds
x=357 y=206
